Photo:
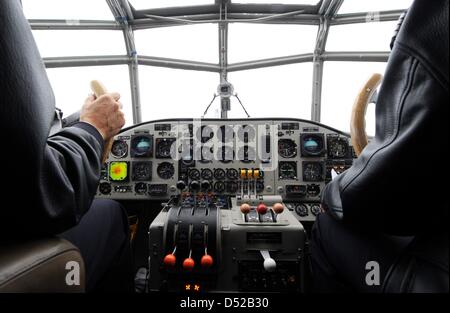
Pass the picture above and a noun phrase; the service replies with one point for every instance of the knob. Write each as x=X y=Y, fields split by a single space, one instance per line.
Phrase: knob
x=188 y=264
x=170 y=260
x=245 y=208
x=270 y=265
x=261 y=208
x=206 y=261
x=194 y=186
x=181 y=185
x=205 y=185
x=278 y=208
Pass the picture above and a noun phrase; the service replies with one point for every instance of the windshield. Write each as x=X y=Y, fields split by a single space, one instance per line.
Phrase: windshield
x=300 y=59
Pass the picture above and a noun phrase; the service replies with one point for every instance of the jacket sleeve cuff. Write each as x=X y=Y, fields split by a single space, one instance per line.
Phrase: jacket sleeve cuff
x=91 y=130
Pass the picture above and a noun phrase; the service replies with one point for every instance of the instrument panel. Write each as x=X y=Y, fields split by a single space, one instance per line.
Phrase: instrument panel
x=291 y=158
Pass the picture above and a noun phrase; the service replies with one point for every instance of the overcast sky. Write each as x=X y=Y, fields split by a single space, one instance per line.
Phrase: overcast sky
x=283 y=91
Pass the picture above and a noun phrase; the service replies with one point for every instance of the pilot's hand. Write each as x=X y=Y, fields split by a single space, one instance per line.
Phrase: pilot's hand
x=104 y=113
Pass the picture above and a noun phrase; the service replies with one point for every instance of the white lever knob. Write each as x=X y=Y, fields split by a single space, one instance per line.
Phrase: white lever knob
x=269 y=264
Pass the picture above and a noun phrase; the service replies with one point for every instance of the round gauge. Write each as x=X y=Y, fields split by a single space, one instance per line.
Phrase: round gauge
x=119 y=149
x=232 y=173
x=104 y=188
x=287 y=170
x=337 y=148
x=165 y=170
x=194 y=174
x=312 y=144
x=246 y=154
x=312 y=171
x=287 y=148
x=207 y=174
x=246 y=133
x=231 y=186
x=165 y=148
x=141 y=146
x=219 y=174
x=204 y=154
x=315 y=209
x=142 y=171
x=225 y=134
x=301 y=210
x=204 y=133
x=225 y=154
x=219 y=187
x=313 y=190
x=140 y=188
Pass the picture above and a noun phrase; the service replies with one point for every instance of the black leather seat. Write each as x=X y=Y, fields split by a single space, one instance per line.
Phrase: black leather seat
x=396 y=184
x=27 y=265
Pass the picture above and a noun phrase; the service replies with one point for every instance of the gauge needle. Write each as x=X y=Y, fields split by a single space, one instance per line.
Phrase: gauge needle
x=333 y=174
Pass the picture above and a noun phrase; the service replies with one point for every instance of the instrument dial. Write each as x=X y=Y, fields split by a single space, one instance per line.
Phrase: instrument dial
x=225 y=134
x=141 y=146
x=204 y=133
x=165 y=148
x=119 y=149
x=165 y=170
x=287 y=170
x=142 y=171
x=301 y=210
x=104 y=188
x=337 y=148
x=219 y=174
x=313 y=171
x=246 y=133
x=315 y=209
x=287 y=148
x=312 y=144
x=232 y=173
x=194 y=174
x=225 y=154
x=204 y=154
x=246 y=154
x=207 y=174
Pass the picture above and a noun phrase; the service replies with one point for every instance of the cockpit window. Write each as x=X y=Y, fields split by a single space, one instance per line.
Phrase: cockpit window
x=248 y=42
x=56 y=43
x=353 y=6
x=282 y=58
x=157 y=4
x=71 y=87
x=70 y=10
x=188 y=42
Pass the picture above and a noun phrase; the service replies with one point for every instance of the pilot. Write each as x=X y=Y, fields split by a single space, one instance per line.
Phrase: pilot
x=49 y=183
x=375 y=209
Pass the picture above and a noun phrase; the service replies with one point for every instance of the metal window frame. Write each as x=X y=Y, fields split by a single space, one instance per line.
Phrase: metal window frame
x=326 y=17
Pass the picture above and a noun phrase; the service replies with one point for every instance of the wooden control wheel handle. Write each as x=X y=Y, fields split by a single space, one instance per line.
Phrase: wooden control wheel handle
x=99 y=90
x=357 y=121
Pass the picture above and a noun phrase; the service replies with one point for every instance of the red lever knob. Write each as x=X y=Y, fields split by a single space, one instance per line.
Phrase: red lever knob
x=170 y=260
x=278 y=208
x=206 y=261
x=188 y=264
x=261 y=208
x=245 y=208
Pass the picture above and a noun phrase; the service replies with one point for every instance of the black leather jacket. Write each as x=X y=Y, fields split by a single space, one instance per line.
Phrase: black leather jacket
x=398 y=183
x=47 y=183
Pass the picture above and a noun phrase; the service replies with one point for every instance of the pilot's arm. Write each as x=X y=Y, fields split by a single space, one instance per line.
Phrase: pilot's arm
x=72 y=162
x=395 y=185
